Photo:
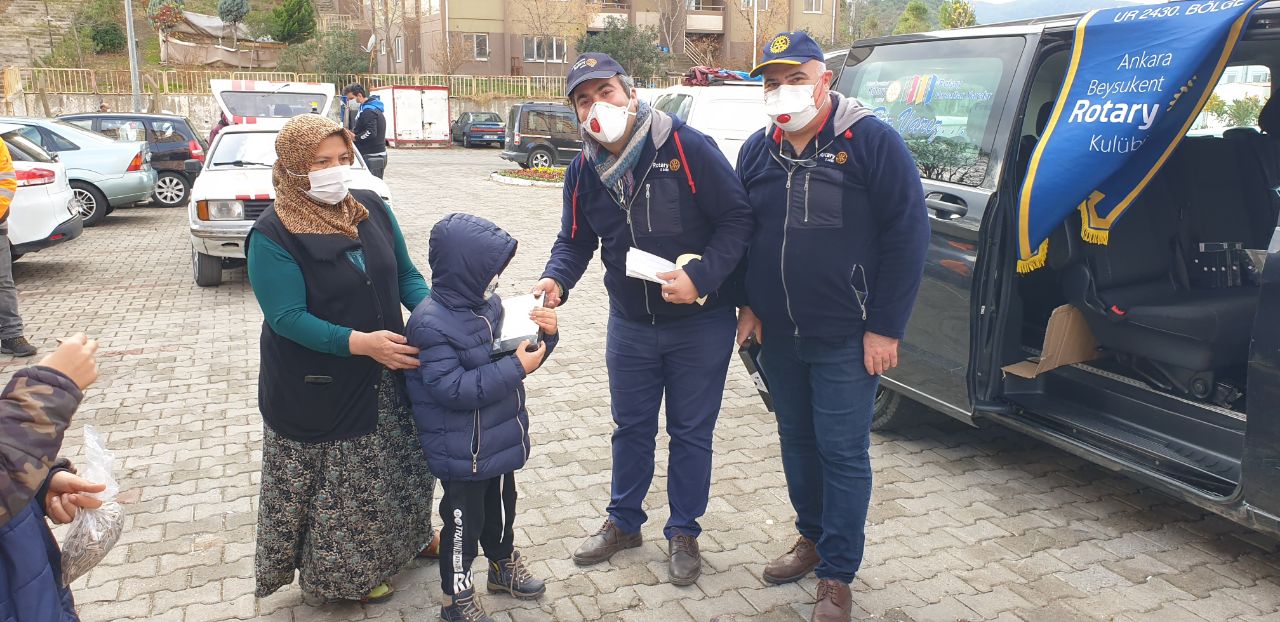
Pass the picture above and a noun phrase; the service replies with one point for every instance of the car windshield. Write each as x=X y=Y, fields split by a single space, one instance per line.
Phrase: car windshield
x=271 y=105
x=248 y=150
x=485 y=117
x=78 y=134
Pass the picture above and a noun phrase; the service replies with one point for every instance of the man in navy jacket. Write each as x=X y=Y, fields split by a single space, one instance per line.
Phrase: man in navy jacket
x=832 y=274
x=648 y=181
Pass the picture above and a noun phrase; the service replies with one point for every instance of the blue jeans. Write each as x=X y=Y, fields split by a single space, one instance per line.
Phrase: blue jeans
x=823 y=398
x=686 y=360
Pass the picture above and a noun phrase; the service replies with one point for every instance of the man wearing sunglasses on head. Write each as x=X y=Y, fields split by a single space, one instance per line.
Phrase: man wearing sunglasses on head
x=831 y=276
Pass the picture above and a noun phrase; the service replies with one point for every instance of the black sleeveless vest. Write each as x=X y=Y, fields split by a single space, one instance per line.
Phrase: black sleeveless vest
x=310 y=396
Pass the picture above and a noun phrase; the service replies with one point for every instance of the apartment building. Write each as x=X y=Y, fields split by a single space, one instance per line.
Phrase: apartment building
x=537 y=37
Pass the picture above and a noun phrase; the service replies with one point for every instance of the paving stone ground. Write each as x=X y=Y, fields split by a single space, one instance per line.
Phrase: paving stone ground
x=966 y=524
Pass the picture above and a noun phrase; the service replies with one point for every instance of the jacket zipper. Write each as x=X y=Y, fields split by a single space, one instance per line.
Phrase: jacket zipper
x=648 y=207
x=807 y=176
x=475 y=443
x=860 y=294
x=631 y=226
x=782 y=262
x=523 y=432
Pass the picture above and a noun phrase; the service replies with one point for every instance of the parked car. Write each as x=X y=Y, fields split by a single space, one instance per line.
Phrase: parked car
x=729 y=112
x=541 y=134
x=476 y=128
x=172 y=141
x=1184 y=395
x=233 y=189
x=42 y=213
x=104 y=174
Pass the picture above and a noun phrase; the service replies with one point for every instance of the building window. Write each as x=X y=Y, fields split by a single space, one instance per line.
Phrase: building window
x=399 y=49
x=551 y=49
x=477 y=45
x=764 y=4
x=812 y=6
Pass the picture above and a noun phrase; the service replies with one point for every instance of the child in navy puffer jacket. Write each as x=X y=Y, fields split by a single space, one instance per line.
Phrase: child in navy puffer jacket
x=470 y=409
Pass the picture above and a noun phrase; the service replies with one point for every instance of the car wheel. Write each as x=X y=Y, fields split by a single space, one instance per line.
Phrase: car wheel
x=206 y=269
x=171 y=190
x=89 y=202
x=894 y=412
x=466 y=141
x=540 y=158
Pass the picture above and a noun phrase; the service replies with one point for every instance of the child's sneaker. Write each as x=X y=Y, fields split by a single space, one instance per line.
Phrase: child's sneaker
x=465 y=608
x=511 y=576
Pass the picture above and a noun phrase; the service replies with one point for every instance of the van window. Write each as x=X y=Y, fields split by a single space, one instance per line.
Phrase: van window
x=269 y=104
x=539 y=121
x=675 y=105
x=940 y=96
x=1237 y=100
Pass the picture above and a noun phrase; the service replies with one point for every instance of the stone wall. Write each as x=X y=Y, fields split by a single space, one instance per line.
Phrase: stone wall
x=200 y=109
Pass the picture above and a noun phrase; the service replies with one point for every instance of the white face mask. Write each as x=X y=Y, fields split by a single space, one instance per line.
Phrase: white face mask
x=607 y=122
x=329 y=186
x=791 y=106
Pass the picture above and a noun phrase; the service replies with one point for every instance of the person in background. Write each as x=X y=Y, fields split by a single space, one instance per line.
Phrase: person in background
x=470 y=409
x=218 y=127
x=370 y=128
x=103 y=107
x=35 y=411
x=647 y=180
x=11 y=339
x=346 y=494
x=831 y=277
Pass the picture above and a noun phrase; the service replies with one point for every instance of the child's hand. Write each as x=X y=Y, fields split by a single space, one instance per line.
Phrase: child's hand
x=545 y=319
x=530 y=360
x=64 y=498
x=74 y=358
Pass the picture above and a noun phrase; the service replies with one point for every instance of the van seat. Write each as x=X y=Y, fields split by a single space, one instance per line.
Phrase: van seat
x=1223 y=193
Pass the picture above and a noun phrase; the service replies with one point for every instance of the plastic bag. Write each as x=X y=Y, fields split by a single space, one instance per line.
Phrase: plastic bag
x=93 y=532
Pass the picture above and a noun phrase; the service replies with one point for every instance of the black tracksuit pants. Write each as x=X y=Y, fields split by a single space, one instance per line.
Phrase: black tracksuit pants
x=475 y=513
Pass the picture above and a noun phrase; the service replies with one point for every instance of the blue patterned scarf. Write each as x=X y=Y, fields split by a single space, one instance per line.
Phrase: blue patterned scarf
x=615 y=171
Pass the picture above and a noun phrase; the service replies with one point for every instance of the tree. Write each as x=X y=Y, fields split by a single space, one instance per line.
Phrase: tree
x=772 y=19
x=634 y=47
x=1244 y=112
x=293 y=22
x=233 y=12
x=673 y=16
x=451 y=54
x=914 y=19
x=165 y=14
x=1217 y=107
x=548 y=22
x=956 y=14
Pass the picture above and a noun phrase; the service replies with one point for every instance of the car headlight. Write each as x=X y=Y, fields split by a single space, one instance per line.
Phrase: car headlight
x=220 y=210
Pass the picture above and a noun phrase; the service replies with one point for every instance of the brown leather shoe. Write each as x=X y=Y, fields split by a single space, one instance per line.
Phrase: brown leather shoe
x=794 y=564
x=835 y=602
x=684 y=562
x=601 y=546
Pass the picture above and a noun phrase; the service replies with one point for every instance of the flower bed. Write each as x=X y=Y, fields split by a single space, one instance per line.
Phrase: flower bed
x=552 y=175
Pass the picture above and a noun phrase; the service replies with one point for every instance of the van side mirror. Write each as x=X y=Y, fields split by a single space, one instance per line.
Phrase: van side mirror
x=192 y=167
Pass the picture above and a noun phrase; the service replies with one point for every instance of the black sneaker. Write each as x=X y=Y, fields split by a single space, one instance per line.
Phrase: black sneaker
x=18 y=346
x=511 y=576
x=465 y=608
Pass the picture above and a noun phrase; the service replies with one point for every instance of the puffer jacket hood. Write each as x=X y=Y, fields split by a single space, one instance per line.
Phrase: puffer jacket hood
x=466 y=252
x=374 y=103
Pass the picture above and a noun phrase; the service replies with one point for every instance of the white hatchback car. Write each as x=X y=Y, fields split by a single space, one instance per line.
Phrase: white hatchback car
x=730 y=112
x=43 y=212
x=233 y=189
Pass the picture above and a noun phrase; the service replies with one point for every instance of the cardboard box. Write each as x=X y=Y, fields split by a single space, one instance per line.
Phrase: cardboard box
x=1067 y=340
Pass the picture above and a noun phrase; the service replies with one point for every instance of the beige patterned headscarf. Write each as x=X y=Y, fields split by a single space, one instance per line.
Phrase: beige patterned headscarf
x=295 y=149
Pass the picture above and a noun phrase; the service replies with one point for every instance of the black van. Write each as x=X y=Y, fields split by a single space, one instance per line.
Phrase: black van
x=1182 y=389
x=541 y=134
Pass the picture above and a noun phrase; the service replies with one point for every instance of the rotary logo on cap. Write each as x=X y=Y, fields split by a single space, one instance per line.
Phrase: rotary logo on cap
x=780 y=44
x=591 y=62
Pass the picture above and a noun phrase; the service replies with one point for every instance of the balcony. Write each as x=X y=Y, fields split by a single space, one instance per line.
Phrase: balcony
x=706 y=6
x=613 y=6
x=705 y=16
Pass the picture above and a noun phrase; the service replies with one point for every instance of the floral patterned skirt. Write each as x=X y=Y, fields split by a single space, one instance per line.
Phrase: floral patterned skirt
x=346 y=515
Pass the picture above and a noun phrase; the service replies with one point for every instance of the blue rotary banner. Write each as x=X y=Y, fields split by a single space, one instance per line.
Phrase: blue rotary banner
x=1137 y=79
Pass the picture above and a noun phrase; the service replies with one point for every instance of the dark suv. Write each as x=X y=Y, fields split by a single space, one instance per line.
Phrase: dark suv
x=172 y=139
x=542 y=134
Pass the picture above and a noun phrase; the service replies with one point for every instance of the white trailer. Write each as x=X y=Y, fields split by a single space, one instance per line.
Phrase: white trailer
x=417 y=116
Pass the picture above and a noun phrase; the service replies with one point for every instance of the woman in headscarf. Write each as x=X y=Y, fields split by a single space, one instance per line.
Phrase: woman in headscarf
x=346 y=494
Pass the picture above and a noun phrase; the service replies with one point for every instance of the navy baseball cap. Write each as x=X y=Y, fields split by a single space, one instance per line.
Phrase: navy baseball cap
x=789 y=48
x=592 y=66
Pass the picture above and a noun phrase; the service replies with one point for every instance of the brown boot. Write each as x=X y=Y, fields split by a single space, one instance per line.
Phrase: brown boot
x=601 y=546
x=794 y=564
x=835 y=602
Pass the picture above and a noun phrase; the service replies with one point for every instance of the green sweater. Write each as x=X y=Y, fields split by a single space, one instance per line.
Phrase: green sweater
x=282 y=294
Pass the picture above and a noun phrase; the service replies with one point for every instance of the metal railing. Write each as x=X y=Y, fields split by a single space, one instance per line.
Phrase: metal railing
x=116 y=82
x=717 y=6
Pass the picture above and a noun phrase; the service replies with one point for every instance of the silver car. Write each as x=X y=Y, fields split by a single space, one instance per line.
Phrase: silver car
x=104 y=174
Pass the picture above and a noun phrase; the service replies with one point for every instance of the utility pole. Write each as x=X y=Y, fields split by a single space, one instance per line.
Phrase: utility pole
x=755 y=30
x=135 y=82
x=835 y=11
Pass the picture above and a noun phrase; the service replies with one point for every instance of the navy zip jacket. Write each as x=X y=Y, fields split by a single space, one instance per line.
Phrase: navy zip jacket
x=371 y=127
x=839 y=245
x=469 y=407
x=687 y=200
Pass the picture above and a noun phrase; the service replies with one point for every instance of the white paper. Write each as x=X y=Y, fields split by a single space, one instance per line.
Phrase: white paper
x=647 y=266
x=516 y=326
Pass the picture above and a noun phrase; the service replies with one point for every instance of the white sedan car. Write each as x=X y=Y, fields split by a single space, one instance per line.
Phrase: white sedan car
x=233 y=189
x=43 y=212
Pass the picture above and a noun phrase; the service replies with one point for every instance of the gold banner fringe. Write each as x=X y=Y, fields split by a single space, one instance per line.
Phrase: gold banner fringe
x=1089 y=234
x=1036 y=261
